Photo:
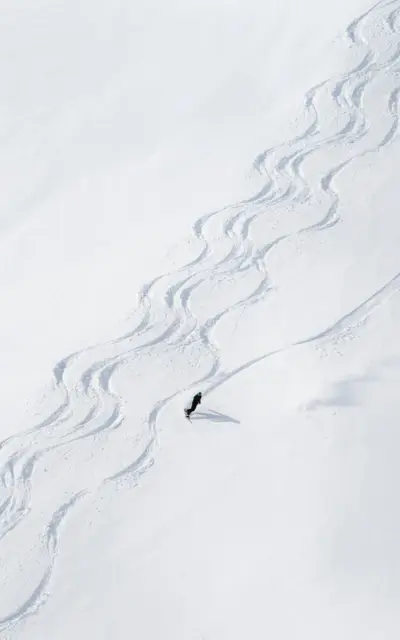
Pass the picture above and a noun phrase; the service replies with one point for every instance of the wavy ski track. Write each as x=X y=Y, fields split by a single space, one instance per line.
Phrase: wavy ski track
x=88 y=403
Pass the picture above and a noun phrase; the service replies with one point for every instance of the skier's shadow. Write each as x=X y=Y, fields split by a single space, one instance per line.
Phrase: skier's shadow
x=215 y=416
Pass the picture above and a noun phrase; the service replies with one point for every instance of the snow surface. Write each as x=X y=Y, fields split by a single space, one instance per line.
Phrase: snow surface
x=200 y=196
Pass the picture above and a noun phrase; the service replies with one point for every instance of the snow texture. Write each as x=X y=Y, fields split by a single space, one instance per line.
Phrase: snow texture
x=175 y=217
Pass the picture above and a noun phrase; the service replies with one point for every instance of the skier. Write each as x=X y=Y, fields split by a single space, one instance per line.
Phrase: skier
x=195 y=402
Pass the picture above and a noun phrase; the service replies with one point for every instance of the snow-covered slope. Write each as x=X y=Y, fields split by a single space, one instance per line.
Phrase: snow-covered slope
x=143 y=258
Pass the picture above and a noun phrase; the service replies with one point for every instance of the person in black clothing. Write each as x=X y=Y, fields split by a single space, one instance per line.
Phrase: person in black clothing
x=195 y=402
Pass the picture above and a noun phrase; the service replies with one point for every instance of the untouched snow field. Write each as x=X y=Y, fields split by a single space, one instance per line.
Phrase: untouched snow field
x=200 y=196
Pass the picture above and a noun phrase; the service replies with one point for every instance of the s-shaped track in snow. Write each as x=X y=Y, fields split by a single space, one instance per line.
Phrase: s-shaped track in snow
x=88 y=409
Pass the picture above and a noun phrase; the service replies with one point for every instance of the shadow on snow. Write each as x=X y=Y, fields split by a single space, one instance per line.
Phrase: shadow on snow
x=215 y=416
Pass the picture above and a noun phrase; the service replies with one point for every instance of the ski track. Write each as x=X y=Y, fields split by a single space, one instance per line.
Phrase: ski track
x=89 y=405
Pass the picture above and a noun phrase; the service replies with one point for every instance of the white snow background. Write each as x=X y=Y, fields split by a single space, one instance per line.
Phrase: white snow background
x=200 y=195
